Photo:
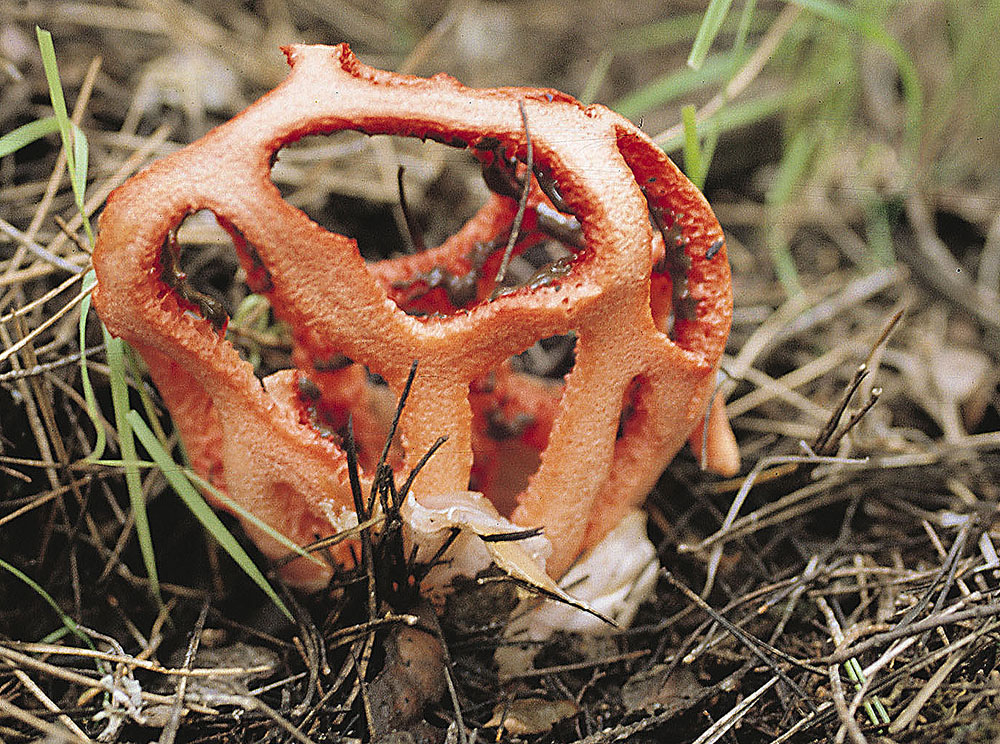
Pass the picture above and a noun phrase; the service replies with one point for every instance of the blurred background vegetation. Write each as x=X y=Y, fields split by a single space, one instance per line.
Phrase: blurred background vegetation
x=824 y=115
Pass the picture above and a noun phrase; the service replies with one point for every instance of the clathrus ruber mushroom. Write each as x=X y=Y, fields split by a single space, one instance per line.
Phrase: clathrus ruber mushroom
x=645 y=291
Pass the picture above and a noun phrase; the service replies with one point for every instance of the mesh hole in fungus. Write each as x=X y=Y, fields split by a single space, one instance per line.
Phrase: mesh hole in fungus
x=513 y=408
x=670 y=296
x=669 y=293
x=198 y=264
x=632 y=414
x=348 y=182
x=348 y=173
x=328 y=398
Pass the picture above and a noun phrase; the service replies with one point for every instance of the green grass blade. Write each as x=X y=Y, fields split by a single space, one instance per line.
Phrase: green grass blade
x=673 y=85
x=74 y=143
x=55 y=86
x=793 y=166
x=147 y=403
x=250 y=516
x=783 y=261
x=798 y=154
x=875 y=32
x=647 y=37
x=27 y=133
x=68 y=622
x=708 y=149
x=734 y=116
x=55 y=636
x=743 y=28
x=711 y=23
x=89 y=280
x=596 y=77
x=126 y=443
x=877 y=714
x=692 y=147
x=879 y=234
x=677 y=29
x=200 y=508
x=698 y=150
x=78 y=173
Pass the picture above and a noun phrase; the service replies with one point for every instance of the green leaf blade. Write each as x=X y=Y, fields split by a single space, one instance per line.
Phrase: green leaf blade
x=692 y=147
x=673 y=85
x=711 y=23
x=73 y=140
x=25 y=134
x=89 y=280
x=200 y=508
x=126 y=443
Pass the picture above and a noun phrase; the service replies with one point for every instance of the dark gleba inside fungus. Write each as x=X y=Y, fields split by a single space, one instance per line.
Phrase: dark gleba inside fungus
x=645 y=290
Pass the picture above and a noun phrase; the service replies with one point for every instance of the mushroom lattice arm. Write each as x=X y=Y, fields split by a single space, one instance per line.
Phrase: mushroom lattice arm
x=646 y=293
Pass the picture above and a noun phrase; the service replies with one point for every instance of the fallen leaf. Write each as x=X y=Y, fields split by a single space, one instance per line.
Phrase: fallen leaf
x=532 y=715
x=660 y=687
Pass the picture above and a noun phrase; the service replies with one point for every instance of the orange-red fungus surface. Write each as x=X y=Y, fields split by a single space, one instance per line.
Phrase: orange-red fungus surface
x=646 y=292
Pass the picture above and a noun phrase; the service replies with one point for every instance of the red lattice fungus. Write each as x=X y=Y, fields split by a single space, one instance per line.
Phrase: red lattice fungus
x=646 y=291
